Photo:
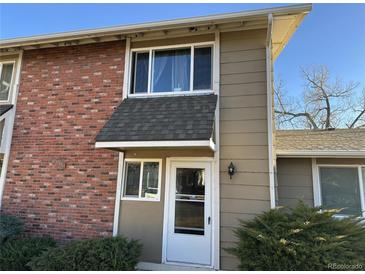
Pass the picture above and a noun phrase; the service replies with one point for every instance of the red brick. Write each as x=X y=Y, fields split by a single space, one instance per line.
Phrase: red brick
x=57 y=181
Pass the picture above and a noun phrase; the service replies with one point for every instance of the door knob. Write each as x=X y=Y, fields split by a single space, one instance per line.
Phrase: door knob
x=209 y=220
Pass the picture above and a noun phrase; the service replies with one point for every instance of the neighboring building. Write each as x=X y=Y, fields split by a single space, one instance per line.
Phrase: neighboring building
x=130 y=130
x=322 y=168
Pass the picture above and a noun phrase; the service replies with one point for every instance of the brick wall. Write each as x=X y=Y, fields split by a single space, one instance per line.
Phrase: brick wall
x=56 y=180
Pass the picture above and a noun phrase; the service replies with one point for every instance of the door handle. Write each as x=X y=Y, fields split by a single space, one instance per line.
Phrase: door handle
x=209 y=220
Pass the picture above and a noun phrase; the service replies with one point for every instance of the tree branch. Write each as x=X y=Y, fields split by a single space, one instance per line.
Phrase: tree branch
x=299 y=114
x=357 y=119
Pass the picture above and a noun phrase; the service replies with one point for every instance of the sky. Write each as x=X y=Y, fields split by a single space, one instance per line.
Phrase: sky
x=331 y=35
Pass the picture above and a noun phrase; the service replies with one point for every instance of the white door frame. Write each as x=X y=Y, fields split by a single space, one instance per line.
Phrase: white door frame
x=215 y=210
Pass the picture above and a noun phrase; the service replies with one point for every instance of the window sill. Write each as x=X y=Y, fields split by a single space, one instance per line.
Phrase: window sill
x=172 y=93
x=140 y=199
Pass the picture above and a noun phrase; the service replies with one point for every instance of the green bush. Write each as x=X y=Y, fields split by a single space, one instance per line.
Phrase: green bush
x=112 y=253
x=15 y=253
x=302 y=238
x=9 y=226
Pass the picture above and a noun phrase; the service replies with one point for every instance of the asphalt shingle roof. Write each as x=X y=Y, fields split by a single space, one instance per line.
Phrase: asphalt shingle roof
x=320 y=140
x=5 y=108
x=175 y=118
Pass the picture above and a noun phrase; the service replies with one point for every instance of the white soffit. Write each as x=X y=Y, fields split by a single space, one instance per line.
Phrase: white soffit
x=283 y=29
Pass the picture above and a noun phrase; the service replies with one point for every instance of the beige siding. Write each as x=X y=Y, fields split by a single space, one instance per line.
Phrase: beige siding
x=294 y=181
x=243 y=133
x=173 y=41
x=143 y=220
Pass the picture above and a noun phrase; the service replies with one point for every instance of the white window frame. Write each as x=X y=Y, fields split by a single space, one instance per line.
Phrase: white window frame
x=317 y=185
x=151 y=51
x=141 y=161
x=8 y=100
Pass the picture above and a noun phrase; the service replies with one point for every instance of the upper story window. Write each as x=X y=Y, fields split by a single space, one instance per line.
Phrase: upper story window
x=6 y=76
x=182 y=69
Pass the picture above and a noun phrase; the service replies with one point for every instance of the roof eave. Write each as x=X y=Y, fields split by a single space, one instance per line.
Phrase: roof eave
x=146 y=27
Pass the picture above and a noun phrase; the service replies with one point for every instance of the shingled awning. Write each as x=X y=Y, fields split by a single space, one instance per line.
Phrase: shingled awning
x=161 y=122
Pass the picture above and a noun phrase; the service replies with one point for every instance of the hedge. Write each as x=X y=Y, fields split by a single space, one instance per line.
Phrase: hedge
x=112 y=253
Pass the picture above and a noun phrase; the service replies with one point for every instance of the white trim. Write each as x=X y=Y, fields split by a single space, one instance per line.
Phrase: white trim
x=172 y=93
x=118 y=193
x=166 y=209
x=319 y=154
x=170 y=267
x=174 y=46
x=317 y=184
x=151 y=51
x=151 y=58
x=134 y=144
x=169 y=160
x=216 y=163
x=9 y=125
x=126 y=68
x=142 y=161
x=269 y=100
x=192 y=54
x=361 y=188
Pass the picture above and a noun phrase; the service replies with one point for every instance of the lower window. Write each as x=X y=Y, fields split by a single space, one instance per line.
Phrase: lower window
x=343 y=188
x=142 y=179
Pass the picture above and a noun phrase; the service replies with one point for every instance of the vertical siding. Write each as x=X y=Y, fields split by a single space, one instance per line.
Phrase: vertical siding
x=243 y=133
x=294 y=181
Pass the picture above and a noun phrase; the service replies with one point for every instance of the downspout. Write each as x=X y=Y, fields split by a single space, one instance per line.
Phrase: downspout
x=118 y=192
x=269 y=79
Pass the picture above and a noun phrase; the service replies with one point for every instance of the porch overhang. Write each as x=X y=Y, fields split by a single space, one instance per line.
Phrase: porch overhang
x=161 y=122
x=157 y=144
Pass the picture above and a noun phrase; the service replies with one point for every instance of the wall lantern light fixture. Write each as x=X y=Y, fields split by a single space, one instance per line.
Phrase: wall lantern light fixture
x=231 y=170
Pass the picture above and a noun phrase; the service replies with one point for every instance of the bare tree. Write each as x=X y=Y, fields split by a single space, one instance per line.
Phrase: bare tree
x=324 y=103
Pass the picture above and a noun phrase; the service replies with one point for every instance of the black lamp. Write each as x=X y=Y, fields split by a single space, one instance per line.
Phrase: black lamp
x=231 y=170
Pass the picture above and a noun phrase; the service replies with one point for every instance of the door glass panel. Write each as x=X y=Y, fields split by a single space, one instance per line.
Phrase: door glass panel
x=189 y=201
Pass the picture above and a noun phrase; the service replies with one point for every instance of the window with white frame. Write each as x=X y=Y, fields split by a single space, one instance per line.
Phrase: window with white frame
x=6 y=76
x=342 y=187
x=142 y=179
x=180 y=69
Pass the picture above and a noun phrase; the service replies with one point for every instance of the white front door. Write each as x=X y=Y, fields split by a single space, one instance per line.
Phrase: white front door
x=189 y=215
